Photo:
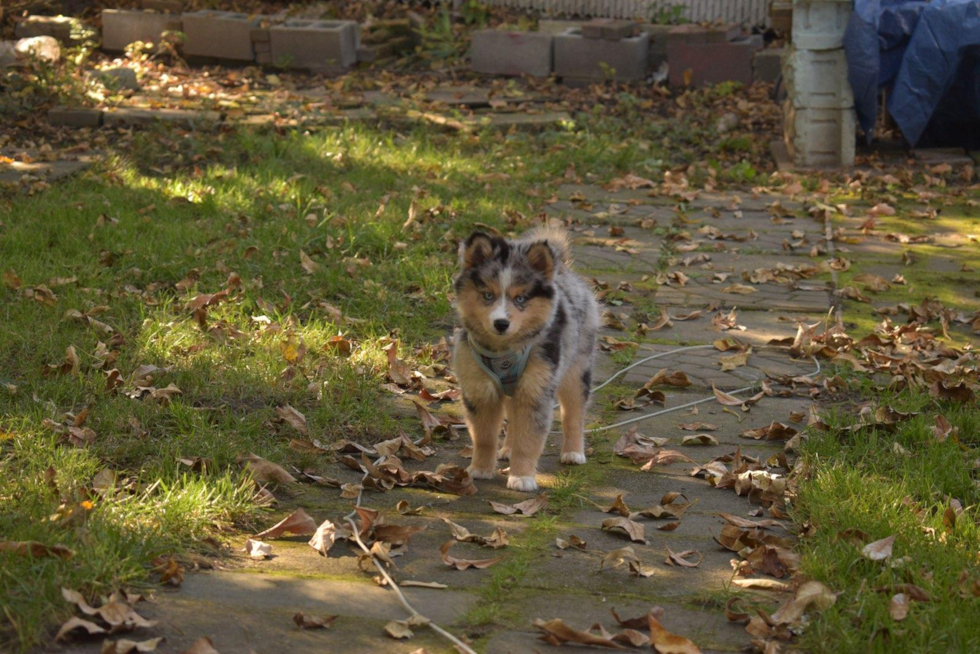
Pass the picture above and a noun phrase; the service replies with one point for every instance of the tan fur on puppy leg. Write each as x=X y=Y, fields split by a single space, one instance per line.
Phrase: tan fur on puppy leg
x=530 y=414
x=484 y=424
x=572 y=396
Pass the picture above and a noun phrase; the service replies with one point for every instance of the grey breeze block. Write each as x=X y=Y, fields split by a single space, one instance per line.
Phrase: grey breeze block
x=820 y=138
x=498 y=52
x=220 y=34
x=316 y=45
x=817 y=79
x=820 y=24
x=579 y=57
x=121 y=27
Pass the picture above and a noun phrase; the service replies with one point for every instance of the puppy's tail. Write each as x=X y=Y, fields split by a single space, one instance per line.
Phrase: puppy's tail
x=557 y=239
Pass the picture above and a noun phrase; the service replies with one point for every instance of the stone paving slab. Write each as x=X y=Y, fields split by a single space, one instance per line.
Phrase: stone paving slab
x=49 y=171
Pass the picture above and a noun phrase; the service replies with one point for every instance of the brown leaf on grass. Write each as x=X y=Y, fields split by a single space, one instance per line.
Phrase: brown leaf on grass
x=959 y=393
x=632 y=529
x=911 y=590
x=299 y=523
x=879 y=550
x=745 y=523
x=202 y=645
x=169 y=570
x=450 y=394
x=898 y=607
x=699 y=439
x=78 y=623
x=680 y=558
x=265 y=472
x=313 y=622
x=35 y=549
x=258 y=550
x=668 y=643
x=943 y=428
x=429 y=421
x=556 y=632
x=295 y=419
x=124 y=646
x=398 y=370
x=309 y=265
x=69 y=366
x=527 y=507
x=809 y=593
x=618 y=506
x=463 y=564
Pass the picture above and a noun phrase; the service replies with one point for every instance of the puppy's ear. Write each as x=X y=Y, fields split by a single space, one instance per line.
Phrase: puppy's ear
x=475 y=250
x=541 y=258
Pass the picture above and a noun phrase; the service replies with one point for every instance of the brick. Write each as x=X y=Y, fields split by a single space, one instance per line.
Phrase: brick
x=496 y=52
x=817 y=79
x=618 y=30
x=131 y=116
x=593 y=29
x=712 y=63
x=59 y=27
x=121 y=27
x=819 y=138
x=767 y=64
x=164 y=6
x=820 y=24
x=220 y=34
x=75 y=116
x=316 y=45
x=624 y=60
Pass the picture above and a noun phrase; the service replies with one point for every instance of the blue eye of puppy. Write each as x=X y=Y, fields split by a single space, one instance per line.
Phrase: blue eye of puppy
x=488 y=296
x=520 y=300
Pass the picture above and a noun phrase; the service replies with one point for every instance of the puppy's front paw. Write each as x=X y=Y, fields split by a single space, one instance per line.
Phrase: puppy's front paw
x=573 y=458
x=504 y=454
x=481 y=473
x=525 y=484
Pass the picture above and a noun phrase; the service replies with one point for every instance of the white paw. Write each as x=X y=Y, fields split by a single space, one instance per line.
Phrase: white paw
x=525 y=484
x=504 y=454
x=481 y=473
x=574 y=458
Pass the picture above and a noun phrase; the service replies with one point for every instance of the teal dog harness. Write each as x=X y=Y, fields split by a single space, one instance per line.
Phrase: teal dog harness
x=504 y=368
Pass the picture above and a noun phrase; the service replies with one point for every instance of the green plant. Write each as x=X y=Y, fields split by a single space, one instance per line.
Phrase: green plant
x=672 y=15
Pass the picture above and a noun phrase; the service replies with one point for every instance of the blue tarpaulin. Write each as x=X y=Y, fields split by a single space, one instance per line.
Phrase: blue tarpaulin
x=928 y=55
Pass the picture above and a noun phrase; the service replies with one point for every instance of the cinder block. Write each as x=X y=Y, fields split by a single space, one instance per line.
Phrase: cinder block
x=260 y=35
x=579 y=57
x=75 y=116
x=316 y=45
x=164 y=6
x=818 y=138
x=59 y=27
x=220 y=34
x=496 y=52
x=817 y=79
x=263 y=58
x=264 y=48
x=121 y=27
x=820 y=24
x=593 y=29
x=767 y=64
x=687 y=33
x=712 y=63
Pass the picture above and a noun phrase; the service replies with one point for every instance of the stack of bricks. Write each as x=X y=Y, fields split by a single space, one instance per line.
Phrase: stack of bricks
x=818 y=114
x=700 y=56
x=602 y=49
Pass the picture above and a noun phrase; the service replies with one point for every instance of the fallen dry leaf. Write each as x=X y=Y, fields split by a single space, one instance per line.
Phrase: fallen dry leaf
x=202 y=645
x=668 y=643
x=313 y=622
x=265 y=472
x=256 y=549
x=898 y=607
x=463 y=564
x=879 y=550
x=299 y=523
x=527 y=507
x=699 y=439
x=35 y=549
x=556 y=632
x=680 y=558
x=633 y=530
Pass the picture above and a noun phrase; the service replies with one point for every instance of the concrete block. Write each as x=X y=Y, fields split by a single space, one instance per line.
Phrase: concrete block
x=547 y=26
x=767 y=64
x=687 y=33
x=164 y=6
x=263 y=58
x=624 y=60
x=263 y=48
x=59 y=27
x=121 y=27
x=593 y=29
x=220 y=34
x=316 y=45
x=820 y=24
x=820 y=138
x=817 y=79
x=712 y=63
x=260 y=35
x=75 y=116
x=132 y=116
x=497 y=52
x=609 y=29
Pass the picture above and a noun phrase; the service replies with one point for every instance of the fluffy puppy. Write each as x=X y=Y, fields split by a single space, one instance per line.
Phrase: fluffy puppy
x=528 y=337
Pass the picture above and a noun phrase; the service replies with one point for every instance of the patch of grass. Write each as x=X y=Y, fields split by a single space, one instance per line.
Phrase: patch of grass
x=862 y=481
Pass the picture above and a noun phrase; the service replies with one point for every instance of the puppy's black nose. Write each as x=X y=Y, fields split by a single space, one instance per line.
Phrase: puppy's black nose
x=501 y=325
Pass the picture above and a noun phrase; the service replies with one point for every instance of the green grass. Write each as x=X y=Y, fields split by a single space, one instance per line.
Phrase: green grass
x=860 y=482
x=167 y=217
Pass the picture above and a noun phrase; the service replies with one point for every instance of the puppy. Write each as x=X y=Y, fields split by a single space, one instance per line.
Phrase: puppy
x=528 y=335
